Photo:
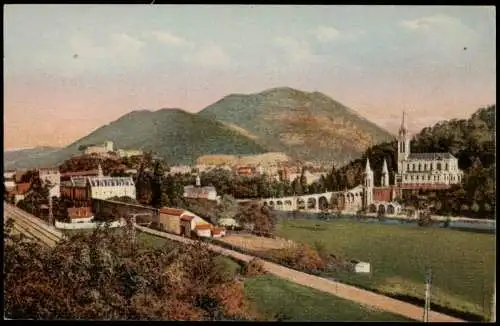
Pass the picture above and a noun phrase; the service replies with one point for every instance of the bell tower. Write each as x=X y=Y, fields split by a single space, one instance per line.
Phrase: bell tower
x=367 y=185
x=384 y=182
x=403 y=144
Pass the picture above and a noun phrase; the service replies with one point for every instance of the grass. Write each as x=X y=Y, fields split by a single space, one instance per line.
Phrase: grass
x=463 y=263
x=273 y=297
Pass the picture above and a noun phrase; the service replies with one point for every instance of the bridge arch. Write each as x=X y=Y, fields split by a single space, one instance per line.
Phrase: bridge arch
x=373 y=208
x=391 y=209
x=323 y=203
x=288 y=203
x=381 y=209
x=301 y=204
x=311 y=203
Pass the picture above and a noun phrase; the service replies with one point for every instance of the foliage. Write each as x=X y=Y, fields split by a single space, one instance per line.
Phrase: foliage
x=253 y=268
x=102 y=276
x=301 y=257
x=258 y=216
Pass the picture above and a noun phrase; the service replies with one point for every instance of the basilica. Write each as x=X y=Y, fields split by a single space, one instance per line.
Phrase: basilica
x=424 y=170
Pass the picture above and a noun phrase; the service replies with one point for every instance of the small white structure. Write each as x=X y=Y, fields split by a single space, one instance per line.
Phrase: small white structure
x=227 y=222
x=200 y=192
x=361 y=267
x=129 y=152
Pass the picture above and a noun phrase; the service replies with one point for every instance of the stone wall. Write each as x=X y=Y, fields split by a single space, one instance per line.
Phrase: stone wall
x=109 y=207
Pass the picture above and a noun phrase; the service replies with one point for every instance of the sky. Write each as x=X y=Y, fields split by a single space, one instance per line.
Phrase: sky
x=69 y=69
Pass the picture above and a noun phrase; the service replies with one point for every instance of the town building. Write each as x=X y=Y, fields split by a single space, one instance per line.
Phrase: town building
x=181 y=222
x=104 y=187
x=9 y=180
x=83 y=188
x=424 y=170
x=179 y=169
x=51 y=176
x=198 y=192
x=20 y=191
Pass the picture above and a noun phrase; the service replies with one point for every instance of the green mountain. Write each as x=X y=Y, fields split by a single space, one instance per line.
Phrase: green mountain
x=305 y=126
x=178 y=136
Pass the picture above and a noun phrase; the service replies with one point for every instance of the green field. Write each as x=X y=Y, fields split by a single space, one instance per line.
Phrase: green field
x=273 y=297
x=463 y=263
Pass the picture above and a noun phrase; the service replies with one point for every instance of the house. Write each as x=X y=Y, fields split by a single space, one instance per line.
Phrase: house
x=103 y=187
x=179 y=221
x=186 y=225
x=80 y=214
x=9 y=180
x=203 y=230
x=228 y=222
x=169 y=220
x=218 y=232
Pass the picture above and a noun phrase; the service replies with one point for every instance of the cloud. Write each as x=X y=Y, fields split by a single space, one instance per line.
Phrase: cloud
x=170 y=39
x=209 y=55
x=120 y=46
x=326 y=34
x=297 y=51
x=436 y=23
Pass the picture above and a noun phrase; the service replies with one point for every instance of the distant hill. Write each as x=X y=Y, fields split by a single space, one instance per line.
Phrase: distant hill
x=20 y=158
x=305 y=126
x=178 y=136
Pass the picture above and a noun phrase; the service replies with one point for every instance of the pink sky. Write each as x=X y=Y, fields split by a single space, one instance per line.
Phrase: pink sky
x=378 y=61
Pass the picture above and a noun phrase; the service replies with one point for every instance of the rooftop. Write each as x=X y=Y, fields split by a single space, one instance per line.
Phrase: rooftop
x=172 y=211
x=430 y=156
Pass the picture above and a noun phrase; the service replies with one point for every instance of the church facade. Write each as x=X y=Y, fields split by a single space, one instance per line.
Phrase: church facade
x=424 y=170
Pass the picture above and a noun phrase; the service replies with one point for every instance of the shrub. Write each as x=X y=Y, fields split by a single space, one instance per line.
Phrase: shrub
x=254 y=268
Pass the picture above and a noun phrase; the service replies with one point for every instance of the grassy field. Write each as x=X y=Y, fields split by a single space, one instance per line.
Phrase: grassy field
x=273 y=296
x=463 y=263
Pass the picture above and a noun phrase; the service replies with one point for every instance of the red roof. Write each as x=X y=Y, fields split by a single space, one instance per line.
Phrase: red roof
x=171 y=211
x=203 y=226
x=22 y=188
x=80 y=173
x=187 y=218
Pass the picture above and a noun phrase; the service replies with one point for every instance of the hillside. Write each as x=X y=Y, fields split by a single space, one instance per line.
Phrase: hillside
x=264 y=159
x=173 y=134
x=305 y=126
x=19 y=158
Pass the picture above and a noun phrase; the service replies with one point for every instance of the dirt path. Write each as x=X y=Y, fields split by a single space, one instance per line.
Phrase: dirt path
x=341 y=290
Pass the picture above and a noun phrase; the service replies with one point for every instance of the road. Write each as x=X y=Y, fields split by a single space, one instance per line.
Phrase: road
x=341 y=290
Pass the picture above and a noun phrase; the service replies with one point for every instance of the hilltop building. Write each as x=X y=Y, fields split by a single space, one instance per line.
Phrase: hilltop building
x=424 y=170
x=129 y=152
x=108 y=146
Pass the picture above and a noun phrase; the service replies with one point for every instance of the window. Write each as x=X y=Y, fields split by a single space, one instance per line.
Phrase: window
x=411 y=178
x=413 y=167
x=446 y=167
x=419 y=166
x=438 y=166
x=408 y=167
x=429 y=178
x=406 y=177
x=425 y=166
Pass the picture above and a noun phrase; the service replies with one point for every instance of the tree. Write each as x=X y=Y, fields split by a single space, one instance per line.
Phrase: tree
x=157 y=186
x=258 y=216
x=228 y=208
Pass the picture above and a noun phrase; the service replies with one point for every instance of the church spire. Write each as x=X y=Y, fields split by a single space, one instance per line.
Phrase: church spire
x=99 y=171
x=403 y=128
x=368 y=168
x=384 y=167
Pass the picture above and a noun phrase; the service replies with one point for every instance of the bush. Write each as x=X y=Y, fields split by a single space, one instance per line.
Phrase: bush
x=226 y=268
x=254 y=268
